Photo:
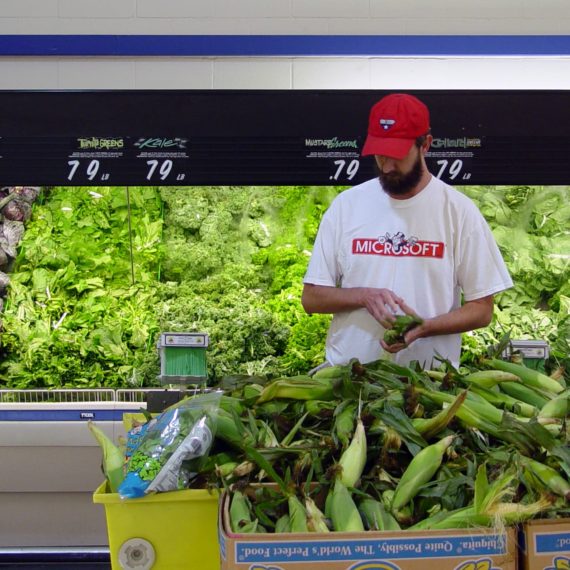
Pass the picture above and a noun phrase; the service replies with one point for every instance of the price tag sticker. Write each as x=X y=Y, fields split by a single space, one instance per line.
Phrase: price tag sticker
x=162 y=159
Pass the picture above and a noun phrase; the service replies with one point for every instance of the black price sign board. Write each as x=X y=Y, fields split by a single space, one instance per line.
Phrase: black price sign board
x=181 y=138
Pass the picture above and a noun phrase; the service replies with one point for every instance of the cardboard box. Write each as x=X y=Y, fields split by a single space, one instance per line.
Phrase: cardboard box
x=404 y=550
x=545 y=544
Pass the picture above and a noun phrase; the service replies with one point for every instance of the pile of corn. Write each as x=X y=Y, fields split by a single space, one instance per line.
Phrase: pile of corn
x=385 y=447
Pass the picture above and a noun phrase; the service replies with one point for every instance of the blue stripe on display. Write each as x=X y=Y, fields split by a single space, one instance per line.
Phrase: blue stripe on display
x=62 y=415
x=286 y=45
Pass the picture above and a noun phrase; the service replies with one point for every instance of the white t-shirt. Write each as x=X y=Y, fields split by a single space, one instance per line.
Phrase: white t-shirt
x=428 y=249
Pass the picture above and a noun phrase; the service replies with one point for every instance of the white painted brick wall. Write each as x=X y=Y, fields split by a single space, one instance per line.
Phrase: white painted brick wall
x=285 y=16
x=108 y=9
x=93 y=74
x=323 y=9
x=165 y=73
x=252 y=74
x=28 y=9
x=332 y=73
x=28 y=74
x=286 y=73
x=290 y=17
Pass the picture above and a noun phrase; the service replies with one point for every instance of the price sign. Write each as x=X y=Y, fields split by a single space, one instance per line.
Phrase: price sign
x=162 y=160
x=452 y=158
x=90 y=160
x=289 y=137
x=338 y=156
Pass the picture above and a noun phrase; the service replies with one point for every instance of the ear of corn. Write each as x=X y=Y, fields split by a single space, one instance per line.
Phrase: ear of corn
x=344 y=513
x=252 y=527
x=113 y=458
x=344 y=422
x=375 y=516
x=514 y=513
x=419 y=472
x=502 y=400
x=530 y=377
x=252 y=391
x=549 y=477
x=240 y=511
x=525 y=394
x=297 y=515
x=464 y=517
x=484 y=408
x=315 y=518
x=298 y=388
x=430 y=427
x=283 y=524
x=466 y=413
x=230 y=428
x=353 y=459
x=225 y=470
x=318 y=407
x=558 y=407
x=401 y=325
x=490 y=378
x=331 y=372
x=438 y=375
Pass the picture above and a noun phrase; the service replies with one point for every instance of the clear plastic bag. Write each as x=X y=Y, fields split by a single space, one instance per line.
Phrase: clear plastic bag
x=182 y=432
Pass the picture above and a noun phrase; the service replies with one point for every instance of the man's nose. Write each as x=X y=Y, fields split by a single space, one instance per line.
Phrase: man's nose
x=387 y=164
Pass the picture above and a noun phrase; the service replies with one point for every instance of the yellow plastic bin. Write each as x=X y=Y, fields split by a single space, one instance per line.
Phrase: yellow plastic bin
x=164 y=531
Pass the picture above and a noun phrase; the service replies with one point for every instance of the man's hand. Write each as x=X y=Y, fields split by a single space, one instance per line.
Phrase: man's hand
x=404 y=330
x=383 y=305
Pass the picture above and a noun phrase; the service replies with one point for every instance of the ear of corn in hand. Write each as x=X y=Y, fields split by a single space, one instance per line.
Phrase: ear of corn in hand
x=401 y=325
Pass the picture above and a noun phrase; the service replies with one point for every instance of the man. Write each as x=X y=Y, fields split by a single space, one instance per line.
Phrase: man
x=404 y=242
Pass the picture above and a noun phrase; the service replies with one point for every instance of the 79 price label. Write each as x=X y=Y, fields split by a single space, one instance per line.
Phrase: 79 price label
x=90 y=169
x=344 y=169
x=452 y=169
x=159 y=169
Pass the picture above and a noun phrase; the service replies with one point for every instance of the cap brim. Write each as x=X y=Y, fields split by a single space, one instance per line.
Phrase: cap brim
x=394 y=148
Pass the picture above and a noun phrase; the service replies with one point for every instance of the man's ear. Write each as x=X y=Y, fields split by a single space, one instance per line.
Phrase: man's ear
x=427 y=144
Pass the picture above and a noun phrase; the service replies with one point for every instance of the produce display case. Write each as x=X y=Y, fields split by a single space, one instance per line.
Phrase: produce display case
x=51 y=463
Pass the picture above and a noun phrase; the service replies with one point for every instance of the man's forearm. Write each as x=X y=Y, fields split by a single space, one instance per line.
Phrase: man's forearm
x=472 y=315
x=321 y=299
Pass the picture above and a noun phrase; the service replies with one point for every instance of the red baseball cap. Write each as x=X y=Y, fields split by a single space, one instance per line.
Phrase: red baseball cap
x=395 y=122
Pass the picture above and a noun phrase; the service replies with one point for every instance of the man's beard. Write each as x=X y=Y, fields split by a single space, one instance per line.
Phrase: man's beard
x=397 y=184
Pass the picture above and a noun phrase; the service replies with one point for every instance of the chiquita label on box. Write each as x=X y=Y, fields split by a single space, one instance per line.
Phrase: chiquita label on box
x=475 y=564
x=552 y=543
x=393 y=549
